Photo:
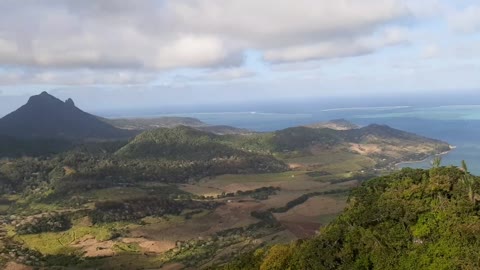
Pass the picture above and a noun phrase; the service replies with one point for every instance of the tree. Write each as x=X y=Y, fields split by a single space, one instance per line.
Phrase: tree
x=464 y=166
x=469 y=182
x=437 y=162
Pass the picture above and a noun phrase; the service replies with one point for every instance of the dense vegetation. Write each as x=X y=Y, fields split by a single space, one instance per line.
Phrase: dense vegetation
x=14 y=147
x=44 y=223
x=178 y=143
x=135 y=209
x=412 y=219
x=175 y=155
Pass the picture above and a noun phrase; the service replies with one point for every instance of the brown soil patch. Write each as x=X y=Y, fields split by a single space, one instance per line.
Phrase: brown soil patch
x=150 y=246
x=17 y=266
x=94 y=248
x=302 y=185
x=229 y=215
x=280 y=199
x=294 y=166
x=201 y=190
x=365 y=149
x=312 y=209
x=351 y=184
x=305 y=219
x=173 y=266
x=234 y=214
x=68 y=170
x=301 y=229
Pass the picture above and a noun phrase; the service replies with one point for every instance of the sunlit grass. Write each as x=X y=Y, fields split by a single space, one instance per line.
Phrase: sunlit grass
x=53 y=243
x=266 y=177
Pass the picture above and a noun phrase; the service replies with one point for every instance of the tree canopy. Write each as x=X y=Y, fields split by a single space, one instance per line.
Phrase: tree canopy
x=412 y=219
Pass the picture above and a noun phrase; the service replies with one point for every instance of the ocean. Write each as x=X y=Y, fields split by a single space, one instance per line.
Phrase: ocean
x=457 y=125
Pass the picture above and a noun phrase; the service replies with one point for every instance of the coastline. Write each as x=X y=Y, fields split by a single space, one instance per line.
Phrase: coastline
x=452 y=147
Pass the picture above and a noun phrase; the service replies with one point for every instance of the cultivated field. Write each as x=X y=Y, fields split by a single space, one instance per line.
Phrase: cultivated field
x=299 y=202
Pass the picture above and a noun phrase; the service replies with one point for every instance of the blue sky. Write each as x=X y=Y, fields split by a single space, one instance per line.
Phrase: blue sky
x=108 y=55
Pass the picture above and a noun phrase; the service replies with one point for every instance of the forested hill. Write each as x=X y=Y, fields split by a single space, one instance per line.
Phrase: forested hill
x=412 y=219
x=372 y=146
x=374 y=140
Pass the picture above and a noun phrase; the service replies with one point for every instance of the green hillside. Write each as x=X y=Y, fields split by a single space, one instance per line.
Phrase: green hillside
x=177 y=143
x=412 y=219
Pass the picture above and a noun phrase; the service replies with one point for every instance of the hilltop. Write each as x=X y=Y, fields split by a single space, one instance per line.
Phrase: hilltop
x=337 y=124
x=45 y=116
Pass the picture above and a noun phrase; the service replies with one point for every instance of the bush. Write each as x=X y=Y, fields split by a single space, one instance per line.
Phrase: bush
x=45 y=223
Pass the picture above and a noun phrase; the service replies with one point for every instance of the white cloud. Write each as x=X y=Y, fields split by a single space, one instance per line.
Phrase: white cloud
x=190 y=51
x=427 y=8
x=430 y=51
x=466 y=20
x=153 y=34
x=230 y=74
x=210 y=76
x=74 y=77
x=338 y=48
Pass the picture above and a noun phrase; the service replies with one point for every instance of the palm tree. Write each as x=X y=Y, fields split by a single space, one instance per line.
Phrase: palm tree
x=437 y=162
x=464 y=166
x=469 y=181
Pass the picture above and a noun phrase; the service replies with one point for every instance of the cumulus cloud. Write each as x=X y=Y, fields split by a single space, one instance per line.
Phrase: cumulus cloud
x=142 y=36
x=344 y=47
x=180 y=33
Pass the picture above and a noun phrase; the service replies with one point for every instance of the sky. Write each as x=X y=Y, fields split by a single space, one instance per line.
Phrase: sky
x=124 y=55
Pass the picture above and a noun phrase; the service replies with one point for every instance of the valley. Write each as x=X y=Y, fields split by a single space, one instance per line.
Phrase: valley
x=239 y=135
x=179 y=197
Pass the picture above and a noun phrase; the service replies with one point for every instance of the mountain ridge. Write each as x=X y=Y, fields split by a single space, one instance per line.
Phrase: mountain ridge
x=45 y=116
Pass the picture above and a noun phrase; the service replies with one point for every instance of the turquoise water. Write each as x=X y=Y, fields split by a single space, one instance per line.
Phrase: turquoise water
x=457 y=125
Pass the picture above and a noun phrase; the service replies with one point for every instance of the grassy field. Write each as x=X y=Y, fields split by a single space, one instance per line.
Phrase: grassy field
x=302 y=181
x=155 y=235
x=302 y=220
x=332 y=165
x=335 y=162
x=125 y=193
x=54 y=243
x=263 y=178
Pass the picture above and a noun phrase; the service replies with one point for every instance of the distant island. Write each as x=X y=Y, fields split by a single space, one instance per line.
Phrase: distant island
x=140 y=124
